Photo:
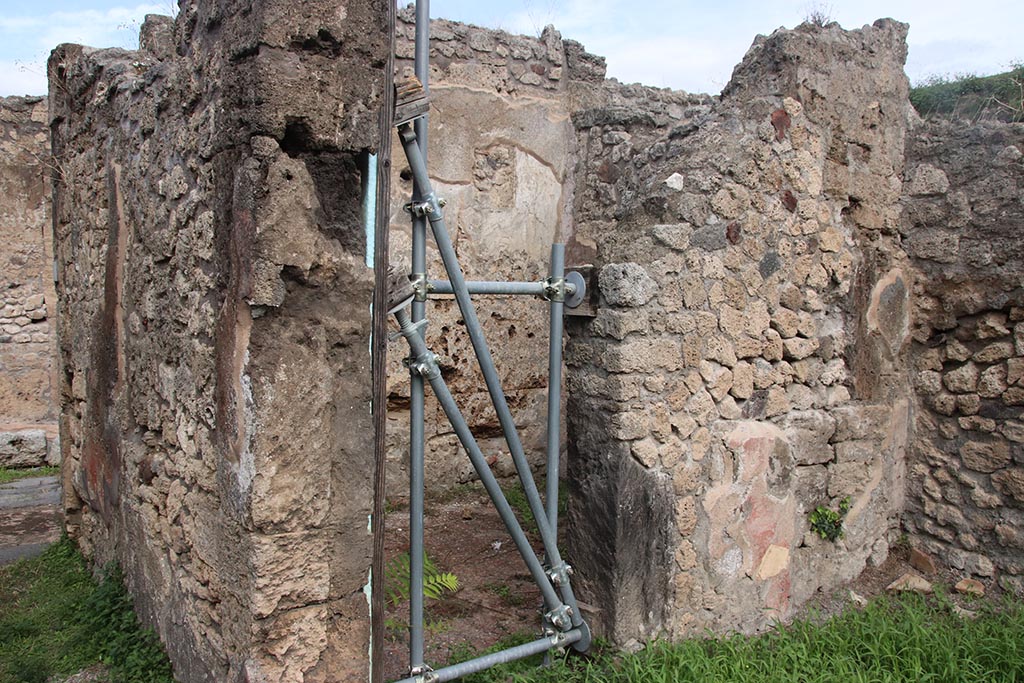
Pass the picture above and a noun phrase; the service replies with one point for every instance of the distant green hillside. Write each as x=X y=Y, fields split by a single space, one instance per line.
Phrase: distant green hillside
x=971 y=97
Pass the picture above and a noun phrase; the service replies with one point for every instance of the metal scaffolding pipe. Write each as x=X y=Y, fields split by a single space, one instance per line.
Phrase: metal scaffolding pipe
x=554 y=392
x=416 y=488
x=561 y=612
x=432 y=209
x=499 y=288
x=456 y=671
x=510 y=288
x=417 y=410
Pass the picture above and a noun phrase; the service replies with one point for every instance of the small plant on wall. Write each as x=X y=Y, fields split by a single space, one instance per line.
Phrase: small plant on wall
x=828 y=523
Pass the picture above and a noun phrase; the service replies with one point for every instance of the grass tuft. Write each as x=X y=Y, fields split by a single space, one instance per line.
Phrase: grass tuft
x=517 y=499
x=8 y=474
x=905 y=639
x=55 y=621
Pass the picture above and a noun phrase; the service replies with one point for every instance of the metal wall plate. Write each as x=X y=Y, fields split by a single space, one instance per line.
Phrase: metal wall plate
x=576 y=298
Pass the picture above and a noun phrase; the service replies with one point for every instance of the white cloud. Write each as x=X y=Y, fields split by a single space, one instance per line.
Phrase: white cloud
x=115 y=27
x=20 y=78
x=26 y=40
x=652 y=45
x=949 y=57
x=694 y=46
x=13 y=24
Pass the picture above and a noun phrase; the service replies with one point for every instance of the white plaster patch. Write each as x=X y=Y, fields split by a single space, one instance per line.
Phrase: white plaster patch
x=731 y=562
x=676 y=182
x=368 y=592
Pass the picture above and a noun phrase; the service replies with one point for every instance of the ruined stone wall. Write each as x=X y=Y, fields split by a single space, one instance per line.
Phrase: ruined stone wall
x=502 y=153
x=746 y=362
x=750 y=359
x=28 y=416
x=962 y=227
x=214 y=328
x=751 y=356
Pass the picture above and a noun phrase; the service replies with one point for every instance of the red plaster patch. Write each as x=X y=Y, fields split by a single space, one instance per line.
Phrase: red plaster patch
x=779 y=593
x=733 y=233
x=781 y=122
x=789 y=201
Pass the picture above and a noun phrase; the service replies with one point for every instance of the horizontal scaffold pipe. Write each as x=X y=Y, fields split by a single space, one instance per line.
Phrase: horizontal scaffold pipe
x=507 y=288
x=456 y=671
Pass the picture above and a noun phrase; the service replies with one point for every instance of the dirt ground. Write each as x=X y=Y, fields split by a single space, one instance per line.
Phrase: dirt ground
x=496 y=597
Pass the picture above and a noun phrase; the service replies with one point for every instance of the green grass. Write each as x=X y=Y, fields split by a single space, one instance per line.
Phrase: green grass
x=8 y=475
x=909 y=639
x=55 y=620
x=966 y=96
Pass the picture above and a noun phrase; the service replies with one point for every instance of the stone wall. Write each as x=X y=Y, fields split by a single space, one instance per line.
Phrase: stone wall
x=786 y=318
x=962 y=228
x=214 y=328
x=27 y=413
x=746 y=362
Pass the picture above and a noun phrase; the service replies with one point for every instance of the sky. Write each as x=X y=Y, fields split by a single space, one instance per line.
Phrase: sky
x=679 y=44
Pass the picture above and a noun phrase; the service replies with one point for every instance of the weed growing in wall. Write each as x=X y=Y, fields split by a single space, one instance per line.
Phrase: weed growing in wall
x=819 y=13
x=828 y=523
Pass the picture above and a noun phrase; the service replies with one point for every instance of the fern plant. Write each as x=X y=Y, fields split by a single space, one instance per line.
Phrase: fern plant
x=435 y=582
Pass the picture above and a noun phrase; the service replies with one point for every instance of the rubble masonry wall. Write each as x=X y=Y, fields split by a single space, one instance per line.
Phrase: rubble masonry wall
x=214 y=328
x=962 y=228
x=28 y=415
x=747 y=361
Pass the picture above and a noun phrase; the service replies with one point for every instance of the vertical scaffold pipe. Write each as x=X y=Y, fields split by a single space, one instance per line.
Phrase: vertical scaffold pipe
x=556 y=275
x=416 y=395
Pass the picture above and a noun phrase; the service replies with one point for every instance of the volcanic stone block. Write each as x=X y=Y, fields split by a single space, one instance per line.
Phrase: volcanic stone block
x=24 y=448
